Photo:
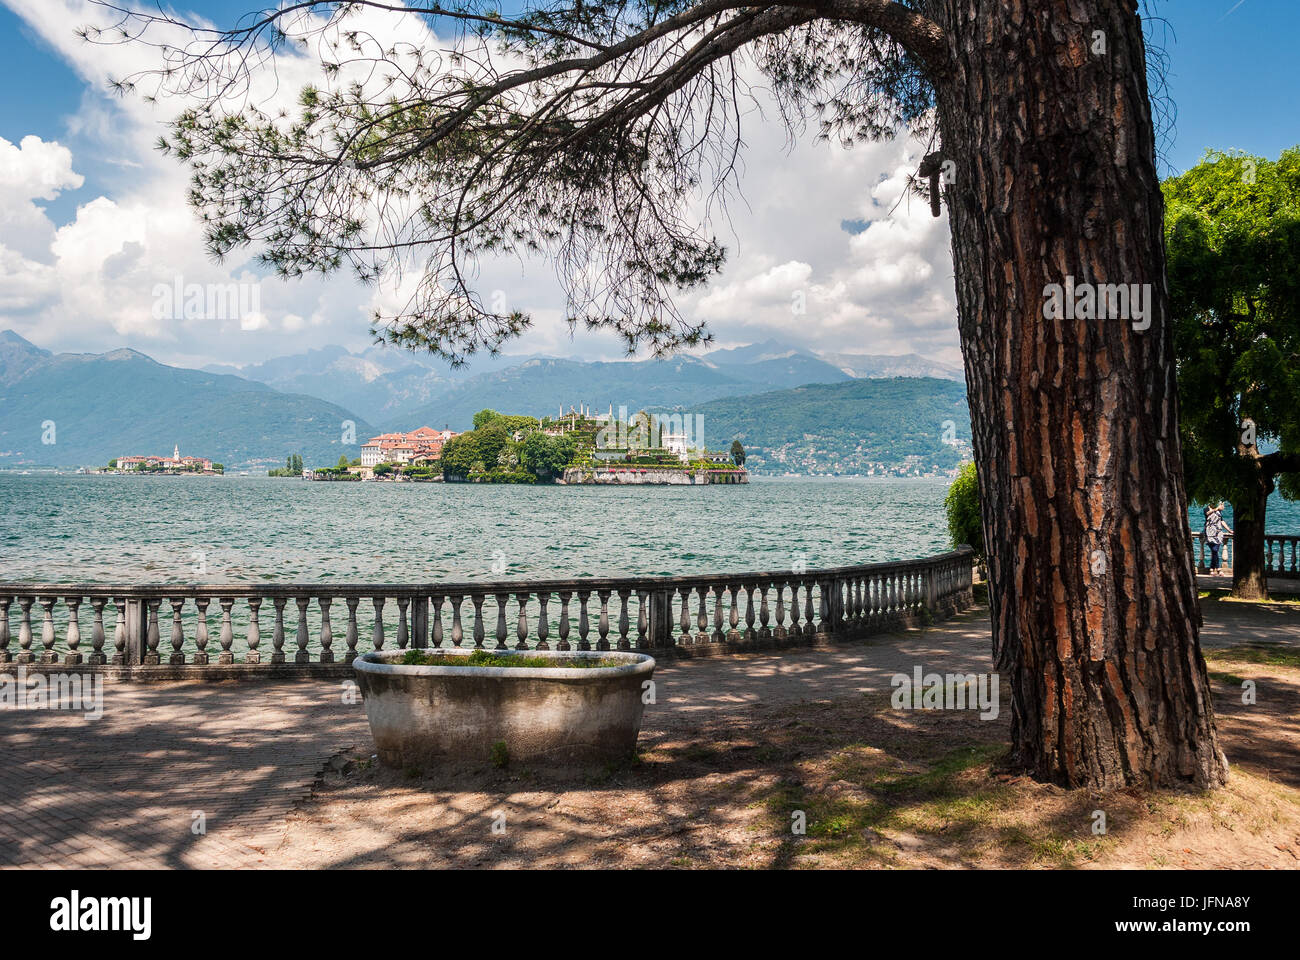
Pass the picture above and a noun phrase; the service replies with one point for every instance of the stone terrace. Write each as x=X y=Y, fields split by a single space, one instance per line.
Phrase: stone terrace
x=122 y=791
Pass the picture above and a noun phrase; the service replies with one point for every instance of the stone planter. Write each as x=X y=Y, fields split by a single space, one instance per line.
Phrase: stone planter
x=424 y=715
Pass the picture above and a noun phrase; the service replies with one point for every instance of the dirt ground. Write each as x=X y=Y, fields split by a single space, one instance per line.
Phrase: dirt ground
x=873 y=786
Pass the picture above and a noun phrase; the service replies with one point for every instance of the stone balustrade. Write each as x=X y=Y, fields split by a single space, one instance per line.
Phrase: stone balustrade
x=187 y=631
x=1281 y=554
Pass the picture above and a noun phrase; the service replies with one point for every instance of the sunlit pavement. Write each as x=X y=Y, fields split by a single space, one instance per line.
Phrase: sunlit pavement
x=203 y=774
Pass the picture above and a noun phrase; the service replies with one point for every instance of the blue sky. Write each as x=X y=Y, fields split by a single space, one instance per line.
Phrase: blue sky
x=1232 y=77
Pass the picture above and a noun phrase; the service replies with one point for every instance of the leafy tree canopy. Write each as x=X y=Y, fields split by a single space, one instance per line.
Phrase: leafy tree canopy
x=1233 y=236
x=587 y=133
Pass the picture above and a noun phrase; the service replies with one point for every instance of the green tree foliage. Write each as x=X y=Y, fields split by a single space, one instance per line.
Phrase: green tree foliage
x=545 y=456
x=963 y=507
x=483 y=417
x=492 y=439
x=459 y=455
x=738 y=453
x=343 y=462
x=1233 y=234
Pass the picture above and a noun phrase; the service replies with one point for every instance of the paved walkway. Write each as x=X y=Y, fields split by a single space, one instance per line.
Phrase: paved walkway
x=123 y=790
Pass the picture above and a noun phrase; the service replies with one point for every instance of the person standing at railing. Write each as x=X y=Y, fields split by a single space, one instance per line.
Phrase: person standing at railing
x=1215 y=530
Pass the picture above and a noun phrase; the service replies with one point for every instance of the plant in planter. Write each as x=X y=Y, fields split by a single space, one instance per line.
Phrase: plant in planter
x=560 y=708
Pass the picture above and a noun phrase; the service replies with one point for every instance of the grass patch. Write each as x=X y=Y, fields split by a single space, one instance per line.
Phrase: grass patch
x=487 y=658
x=1224 y=594
x=1270 y=656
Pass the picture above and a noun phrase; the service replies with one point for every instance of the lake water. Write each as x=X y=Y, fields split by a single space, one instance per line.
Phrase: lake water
x=248 y=529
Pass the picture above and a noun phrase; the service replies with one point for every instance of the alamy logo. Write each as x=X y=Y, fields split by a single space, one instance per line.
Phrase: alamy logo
x=1098 y=301
x=75 y=913
x=53 y=691
x=179 y=300
x=952 y=691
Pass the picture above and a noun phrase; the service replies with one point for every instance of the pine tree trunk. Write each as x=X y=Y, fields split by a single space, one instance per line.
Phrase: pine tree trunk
x=1249 y=576
x=1093 y=596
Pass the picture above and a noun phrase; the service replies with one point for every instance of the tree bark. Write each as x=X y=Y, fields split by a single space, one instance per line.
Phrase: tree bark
x=1093 y=595
x=1249 y=576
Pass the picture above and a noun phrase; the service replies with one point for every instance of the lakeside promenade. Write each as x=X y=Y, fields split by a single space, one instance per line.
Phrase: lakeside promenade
x=124 y=791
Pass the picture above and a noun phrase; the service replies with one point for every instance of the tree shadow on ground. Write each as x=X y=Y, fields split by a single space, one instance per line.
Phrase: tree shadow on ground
x=870 y=786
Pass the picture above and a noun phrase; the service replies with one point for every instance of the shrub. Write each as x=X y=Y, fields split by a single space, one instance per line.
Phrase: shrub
x=963 y=507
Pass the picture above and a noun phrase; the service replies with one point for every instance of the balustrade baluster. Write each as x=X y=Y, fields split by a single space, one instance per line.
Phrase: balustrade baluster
x=73 y=656
x=25 y=654
x=151 y=656
x=502 y=600
x=227 y=631
x=457 y=629
x=5 y=655
x=377 y=640
x=119 y=631
x=326 y=630
x=350 y=634
x=97 y=636
x=435 y=611
x=521 y=628
x=178 y=632
x=403 y=631
x=277 y=633
x=778 y=631
x=584 y=626
x=750 y=634
x=717 y=636
x=643 y=618
x=623 y=621
x=254 y=654
x=565 y=595
x=684 y=624
x=303 y=636
x=479 y=633
x=810 y=625
x=543 y=621
x=603 y=642
x=733 y=615
x=701 y=615
x=47 y=630
x=201 y=630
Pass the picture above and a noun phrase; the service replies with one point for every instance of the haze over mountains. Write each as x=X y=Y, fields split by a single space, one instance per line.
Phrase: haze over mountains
x=107 y=405
x=82 y=409
x=395 y=388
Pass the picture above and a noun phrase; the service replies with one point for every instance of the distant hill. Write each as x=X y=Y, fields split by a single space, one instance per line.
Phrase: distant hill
x=123 y=402
x=893 y=426
x=397 y=389
x=107 y=405
x=383 y=384
x=543 y=385
x=882 y=366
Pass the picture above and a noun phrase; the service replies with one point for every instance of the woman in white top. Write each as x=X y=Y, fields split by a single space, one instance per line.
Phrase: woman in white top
x=1215 y=530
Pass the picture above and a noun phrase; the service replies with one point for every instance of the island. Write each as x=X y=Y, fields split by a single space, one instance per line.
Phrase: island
x=175 y=465
x=572 y=448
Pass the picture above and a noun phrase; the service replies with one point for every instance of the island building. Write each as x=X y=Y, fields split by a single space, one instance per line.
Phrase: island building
x=419 y=446
x=174 y=462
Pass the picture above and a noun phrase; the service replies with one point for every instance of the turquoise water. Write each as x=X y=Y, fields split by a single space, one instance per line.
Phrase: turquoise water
x=250 y=529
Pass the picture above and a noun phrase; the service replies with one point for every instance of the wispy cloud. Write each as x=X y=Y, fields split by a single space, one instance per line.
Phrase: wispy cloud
x=1231 y=10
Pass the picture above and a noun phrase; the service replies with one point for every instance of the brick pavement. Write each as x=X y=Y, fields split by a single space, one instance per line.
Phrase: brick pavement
x=120 y=791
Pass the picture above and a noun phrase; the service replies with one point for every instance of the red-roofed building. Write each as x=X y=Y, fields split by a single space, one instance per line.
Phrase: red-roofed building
x=422 y=445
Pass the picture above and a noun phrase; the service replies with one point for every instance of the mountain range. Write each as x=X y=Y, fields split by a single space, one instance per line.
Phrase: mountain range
x=395 y=389
x=71 y=409
x=83 y=409
x=896 y=426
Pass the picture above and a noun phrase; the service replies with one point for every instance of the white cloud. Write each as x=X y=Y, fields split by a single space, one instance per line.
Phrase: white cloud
x=86 y=284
